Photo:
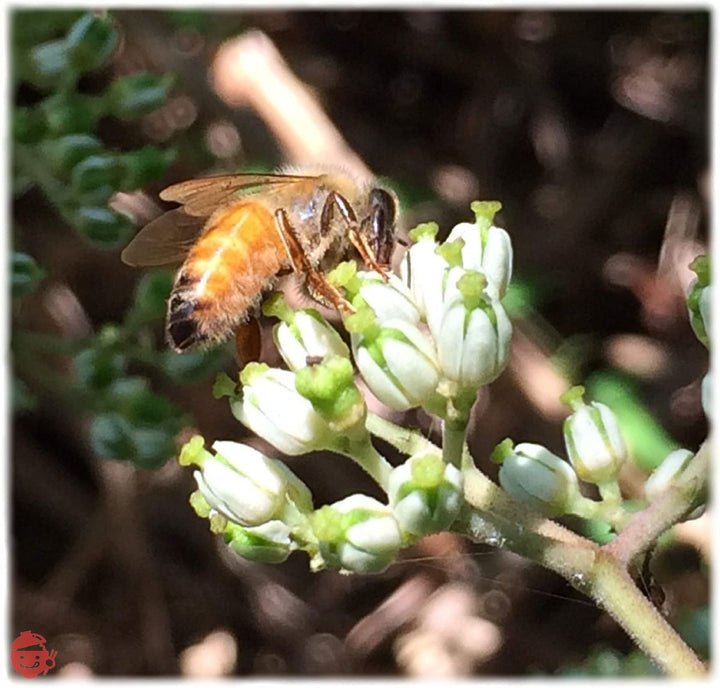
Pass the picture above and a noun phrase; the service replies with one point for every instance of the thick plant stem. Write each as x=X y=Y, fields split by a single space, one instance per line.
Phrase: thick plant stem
x=496 y=519
x=610 y=585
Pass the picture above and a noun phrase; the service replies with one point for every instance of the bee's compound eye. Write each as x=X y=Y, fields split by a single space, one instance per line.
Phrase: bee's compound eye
x=382 y=213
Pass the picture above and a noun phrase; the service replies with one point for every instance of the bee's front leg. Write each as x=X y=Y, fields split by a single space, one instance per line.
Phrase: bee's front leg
x=335 y=200
x=316 y=280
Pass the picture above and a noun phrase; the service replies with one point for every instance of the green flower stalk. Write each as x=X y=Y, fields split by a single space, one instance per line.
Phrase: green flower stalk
x=357 y=534
x=593 y=440
x=425 y=494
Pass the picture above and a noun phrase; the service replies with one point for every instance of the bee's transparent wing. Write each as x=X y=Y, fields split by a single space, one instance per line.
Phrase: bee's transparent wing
x=202 y=197
x=164 y=241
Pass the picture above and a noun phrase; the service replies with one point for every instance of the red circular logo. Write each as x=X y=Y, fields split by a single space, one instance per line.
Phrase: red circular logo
x=29 y=656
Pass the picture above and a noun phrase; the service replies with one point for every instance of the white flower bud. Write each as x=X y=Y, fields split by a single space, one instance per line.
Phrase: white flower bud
x=269 y=543
x=391 y=300
x=423 y=270
x=357 y=533
x=398 y=363
x=273 y=409
x=593 y=440
x=537 y=477
x=425 y=494
x=242 y=484
x=662 y=477
x=487 y=250
x=309 y=336
x=474 y=334
x=706 y=394
x=699 y=300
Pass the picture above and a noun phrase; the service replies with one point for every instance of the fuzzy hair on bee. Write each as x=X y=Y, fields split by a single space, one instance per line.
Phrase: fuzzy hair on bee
x=235 y=235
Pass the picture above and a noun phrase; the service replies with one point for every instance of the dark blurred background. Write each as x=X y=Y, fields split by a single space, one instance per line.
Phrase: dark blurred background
x=590 y=127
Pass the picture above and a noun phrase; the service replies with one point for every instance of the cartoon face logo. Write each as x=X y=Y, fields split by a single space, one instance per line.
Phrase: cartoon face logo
x=29 y=656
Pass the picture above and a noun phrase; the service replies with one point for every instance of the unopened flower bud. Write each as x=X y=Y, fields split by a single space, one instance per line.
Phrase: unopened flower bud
x=698 y=301
x=474 y=338
x=537 y=477
x=242 y=484
x=706 y=393
x=303 y=335
x=357 y=533
x=396 y=360
x=272 y=407
x=269 y=543
x=486 y=248
x=389 y=300
x=664 y=475
x=592 y=438
x=425 y=494
x=423 y=269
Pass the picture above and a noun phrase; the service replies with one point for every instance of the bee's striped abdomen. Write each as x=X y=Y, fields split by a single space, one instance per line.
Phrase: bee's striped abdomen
x=223 y=276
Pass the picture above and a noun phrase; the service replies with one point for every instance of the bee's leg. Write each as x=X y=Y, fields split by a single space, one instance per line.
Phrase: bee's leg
x=356 y=238
x=317 y=282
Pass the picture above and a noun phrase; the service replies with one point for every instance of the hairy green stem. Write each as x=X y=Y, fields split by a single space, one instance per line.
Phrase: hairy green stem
x=370 y=460
x=644 y=527
x=610 y=585
x=599 y=572
x=406 y=441
x=453 y=443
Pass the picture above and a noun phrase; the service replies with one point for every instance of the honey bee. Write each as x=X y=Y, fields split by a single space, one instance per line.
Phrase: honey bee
x=237 y=234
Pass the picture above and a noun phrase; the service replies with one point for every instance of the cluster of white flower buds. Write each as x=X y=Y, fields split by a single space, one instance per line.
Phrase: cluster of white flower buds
x=429 y=338
x=424 y=340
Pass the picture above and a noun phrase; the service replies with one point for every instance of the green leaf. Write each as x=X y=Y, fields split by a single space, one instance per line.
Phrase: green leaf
x=72 y=114
x=142 y=166
x=49 y=61
x=64 y=153
x=97 y=368
x=105 y=228
x=134 y=96
x=153 y=446
x=90 y=42
x=193 y=366
x=26 y=275
x=94 y=172
x=151 y=295
x=111 y=436
x=28 y=125
x=22 y=398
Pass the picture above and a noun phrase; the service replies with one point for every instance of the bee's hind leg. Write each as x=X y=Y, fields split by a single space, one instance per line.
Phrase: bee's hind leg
x=316 y=280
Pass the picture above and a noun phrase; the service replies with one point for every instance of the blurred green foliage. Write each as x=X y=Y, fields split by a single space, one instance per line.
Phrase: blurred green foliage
x=57 y=149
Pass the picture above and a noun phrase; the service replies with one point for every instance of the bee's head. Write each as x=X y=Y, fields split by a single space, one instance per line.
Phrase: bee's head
x=380 y=226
